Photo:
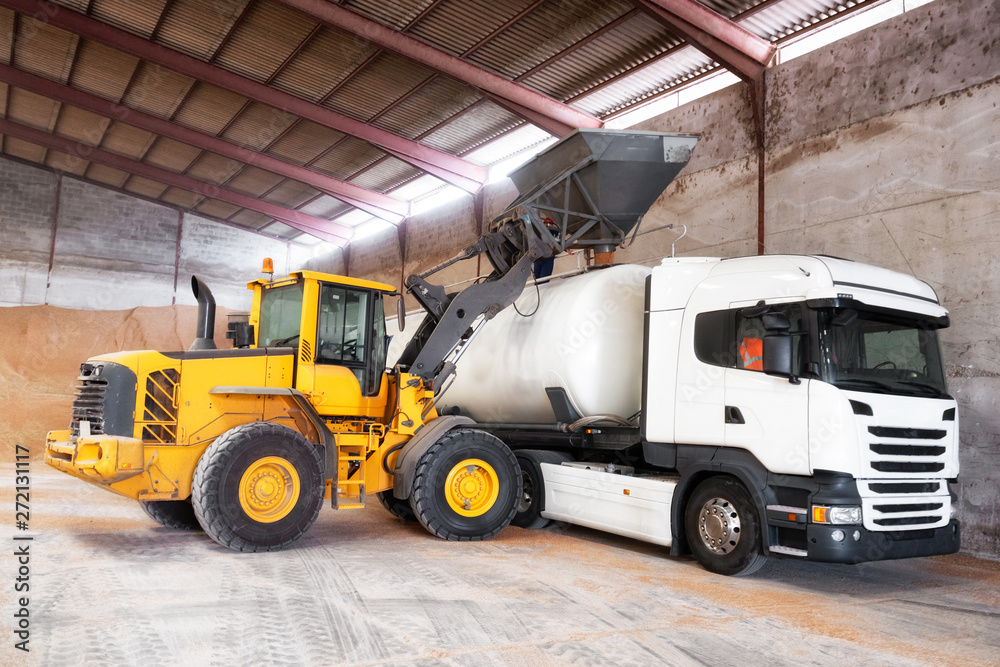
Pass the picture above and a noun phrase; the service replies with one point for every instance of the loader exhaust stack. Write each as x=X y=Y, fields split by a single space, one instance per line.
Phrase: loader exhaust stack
x=204 y=336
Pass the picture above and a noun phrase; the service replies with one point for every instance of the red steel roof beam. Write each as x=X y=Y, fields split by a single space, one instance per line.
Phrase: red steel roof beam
x=457 y=171
x=383 y=206
x=738 y=49
x=324 y=229
x=444 y=63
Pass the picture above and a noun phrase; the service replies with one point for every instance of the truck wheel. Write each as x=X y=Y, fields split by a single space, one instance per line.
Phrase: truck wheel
x=258 y=487
x=398 y=508
x=722 y=528
x=176 y=514
x=532 y=498
x=466 y=486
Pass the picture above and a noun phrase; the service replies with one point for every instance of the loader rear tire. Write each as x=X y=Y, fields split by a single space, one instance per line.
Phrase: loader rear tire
x=176 y=514
x=466 y=486
x=532 y=498
x=398 y=508
x=258 y=487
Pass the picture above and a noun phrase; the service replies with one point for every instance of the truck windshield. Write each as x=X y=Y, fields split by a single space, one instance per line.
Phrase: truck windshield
x=880 y=353
x=280 y=316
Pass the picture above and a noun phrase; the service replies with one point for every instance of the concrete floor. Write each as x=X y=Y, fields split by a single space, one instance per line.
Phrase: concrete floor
x=110 y=587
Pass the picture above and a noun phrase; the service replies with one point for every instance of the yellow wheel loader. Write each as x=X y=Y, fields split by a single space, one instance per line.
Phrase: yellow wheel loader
x=246 y=443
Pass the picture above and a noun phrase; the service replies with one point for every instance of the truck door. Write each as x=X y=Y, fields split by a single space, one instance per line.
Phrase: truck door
x=342 y=366
x=769 y=416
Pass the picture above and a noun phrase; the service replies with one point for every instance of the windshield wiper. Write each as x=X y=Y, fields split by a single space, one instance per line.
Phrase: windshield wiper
x=886 y=388
x=284 y=341
x=924 y=385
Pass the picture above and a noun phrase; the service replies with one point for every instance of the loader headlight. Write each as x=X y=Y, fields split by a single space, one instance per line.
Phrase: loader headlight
x=840 y=515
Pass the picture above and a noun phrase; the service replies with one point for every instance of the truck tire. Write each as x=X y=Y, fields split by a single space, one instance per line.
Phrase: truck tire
x=398 y=508
x=466 y=486
x=723 y=528
x=258 y=487
x=532 y=498
x=176 y=514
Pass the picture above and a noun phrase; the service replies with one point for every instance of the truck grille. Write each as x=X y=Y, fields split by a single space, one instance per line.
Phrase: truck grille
x=88 y=404
x=889 y=506
x=907 y=450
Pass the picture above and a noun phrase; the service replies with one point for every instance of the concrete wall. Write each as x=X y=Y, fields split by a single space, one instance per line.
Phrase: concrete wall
x=880 y=148
x=110 y=251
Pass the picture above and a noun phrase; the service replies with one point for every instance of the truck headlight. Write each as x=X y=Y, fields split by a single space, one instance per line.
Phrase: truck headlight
x=841 y=515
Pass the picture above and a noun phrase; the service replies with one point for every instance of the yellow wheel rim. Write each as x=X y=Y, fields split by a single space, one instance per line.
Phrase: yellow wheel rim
x=472 y=487
x=269 y=489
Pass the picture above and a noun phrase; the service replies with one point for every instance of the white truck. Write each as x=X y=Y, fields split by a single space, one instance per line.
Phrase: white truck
x=637 y=402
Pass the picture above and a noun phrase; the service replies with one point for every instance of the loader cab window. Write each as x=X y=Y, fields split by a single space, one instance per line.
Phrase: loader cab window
x=351 y=325
x=280 y=316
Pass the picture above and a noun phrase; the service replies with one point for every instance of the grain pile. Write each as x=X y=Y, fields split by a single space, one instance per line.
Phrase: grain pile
x=41 y=348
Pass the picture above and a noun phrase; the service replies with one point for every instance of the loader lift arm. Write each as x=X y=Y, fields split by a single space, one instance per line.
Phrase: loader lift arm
x=589 y=190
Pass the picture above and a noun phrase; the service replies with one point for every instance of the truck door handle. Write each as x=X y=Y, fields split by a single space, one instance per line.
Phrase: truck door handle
x=734 y=416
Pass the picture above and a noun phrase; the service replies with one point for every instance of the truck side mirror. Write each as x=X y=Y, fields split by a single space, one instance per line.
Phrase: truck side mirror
x=401 y=314
x=777 y=352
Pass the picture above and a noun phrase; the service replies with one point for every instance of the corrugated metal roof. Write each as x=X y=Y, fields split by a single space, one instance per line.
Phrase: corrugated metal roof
x=102 y=71
x=171 y=154
x=70 y=164
x=136 y=17
x=603 y=56
x=145 y=187
x=49 y=52
x=383 y=80
x=304 y=142
x=31 y=109
x=209 y=108
x=113 y=177
x=157 y=90
x=217 y=209
x=198 y=28
x=254 y=182
x=127 y=140
x=268 y=34
x=82 y=126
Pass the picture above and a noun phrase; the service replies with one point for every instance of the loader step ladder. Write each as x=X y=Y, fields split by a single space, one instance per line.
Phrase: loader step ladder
x=350 y=492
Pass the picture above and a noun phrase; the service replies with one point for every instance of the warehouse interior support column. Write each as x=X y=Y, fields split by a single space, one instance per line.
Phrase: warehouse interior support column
x=177 y=254
x=478 y=205
x=52 y=244
x=401 y=238
x=757 y=98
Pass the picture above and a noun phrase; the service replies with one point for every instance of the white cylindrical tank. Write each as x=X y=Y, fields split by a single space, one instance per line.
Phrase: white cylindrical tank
x=585 y=337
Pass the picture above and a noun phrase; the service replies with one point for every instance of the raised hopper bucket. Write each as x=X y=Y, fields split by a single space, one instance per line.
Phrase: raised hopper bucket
x=593 y=187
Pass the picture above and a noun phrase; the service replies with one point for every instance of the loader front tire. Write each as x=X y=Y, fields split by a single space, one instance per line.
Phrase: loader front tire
x=398 y=508
x=258 y=487
x=176 y=514
x=466 y=486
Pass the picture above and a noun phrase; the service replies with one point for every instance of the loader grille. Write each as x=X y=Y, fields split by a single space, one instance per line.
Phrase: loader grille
x=88 y=404
x=104 y=401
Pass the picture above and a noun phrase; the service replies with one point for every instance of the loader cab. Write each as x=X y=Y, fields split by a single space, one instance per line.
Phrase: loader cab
x=337 y=327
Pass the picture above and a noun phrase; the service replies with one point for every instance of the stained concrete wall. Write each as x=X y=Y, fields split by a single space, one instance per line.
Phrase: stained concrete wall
x=68 y=243
x=880 y=148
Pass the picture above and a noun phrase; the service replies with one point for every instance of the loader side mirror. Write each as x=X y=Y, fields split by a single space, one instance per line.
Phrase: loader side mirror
x=401 y=314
